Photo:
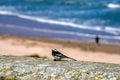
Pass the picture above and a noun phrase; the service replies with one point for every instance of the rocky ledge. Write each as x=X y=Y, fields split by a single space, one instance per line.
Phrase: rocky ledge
x=27 y=68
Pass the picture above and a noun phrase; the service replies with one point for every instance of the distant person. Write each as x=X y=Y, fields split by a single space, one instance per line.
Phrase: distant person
x=97 y=39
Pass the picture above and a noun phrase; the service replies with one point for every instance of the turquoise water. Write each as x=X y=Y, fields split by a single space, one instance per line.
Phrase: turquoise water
x=66 y=19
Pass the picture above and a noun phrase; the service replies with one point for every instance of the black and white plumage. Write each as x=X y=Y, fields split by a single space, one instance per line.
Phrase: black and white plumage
x=59 y=56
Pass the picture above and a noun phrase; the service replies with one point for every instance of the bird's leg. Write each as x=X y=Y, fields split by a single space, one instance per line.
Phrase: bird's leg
x=54 y=59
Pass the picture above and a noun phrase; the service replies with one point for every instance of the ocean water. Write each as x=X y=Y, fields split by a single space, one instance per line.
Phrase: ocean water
x=62 y=19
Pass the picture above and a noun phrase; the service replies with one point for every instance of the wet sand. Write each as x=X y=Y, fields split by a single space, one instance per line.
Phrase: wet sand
x=81 y=51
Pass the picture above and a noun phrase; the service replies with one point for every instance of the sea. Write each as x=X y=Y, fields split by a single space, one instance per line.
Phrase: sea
x=75 y=20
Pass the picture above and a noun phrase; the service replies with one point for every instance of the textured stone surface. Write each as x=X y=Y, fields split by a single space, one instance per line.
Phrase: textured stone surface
x=26 y=68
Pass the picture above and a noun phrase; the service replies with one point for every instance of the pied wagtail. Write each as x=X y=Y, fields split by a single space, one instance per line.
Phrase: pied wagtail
x=59 y=56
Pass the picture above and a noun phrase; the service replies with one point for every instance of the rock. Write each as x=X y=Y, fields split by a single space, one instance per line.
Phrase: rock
x=27 y=68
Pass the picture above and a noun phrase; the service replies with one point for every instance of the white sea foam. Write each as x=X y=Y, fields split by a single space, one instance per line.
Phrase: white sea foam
x=113 y=5
x=114 y=31
x=6 y=13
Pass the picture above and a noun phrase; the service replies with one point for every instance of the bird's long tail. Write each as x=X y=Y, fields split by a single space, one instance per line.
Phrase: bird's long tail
x=72 y=58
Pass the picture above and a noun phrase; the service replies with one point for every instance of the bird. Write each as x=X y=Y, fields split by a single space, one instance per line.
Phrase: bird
x=58 y=56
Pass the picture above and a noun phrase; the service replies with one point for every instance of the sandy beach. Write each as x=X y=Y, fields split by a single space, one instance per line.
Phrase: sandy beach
x=81 y=51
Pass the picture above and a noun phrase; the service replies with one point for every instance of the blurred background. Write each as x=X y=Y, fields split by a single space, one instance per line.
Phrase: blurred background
x=62 y=19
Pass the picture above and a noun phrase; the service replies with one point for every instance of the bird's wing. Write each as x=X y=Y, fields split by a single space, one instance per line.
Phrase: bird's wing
x=63 y=55
x=60 y=54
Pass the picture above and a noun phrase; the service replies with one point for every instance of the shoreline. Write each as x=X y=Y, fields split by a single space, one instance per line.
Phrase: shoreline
x=14 y=25
x=82 y=51
x=84 y=45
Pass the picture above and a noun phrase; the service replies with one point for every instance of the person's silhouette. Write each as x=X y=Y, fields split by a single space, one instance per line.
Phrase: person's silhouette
x=97 y=39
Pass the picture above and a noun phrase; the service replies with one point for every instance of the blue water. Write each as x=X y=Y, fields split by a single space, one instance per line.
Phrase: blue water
x=62 y=19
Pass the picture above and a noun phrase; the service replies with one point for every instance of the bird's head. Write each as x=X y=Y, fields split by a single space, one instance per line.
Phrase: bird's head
x=54 y=50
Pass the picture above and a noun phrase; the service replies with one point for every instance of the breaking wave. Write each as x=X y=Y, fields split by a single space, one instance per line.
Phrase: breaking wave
x=113 y=5
x=115 y=31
